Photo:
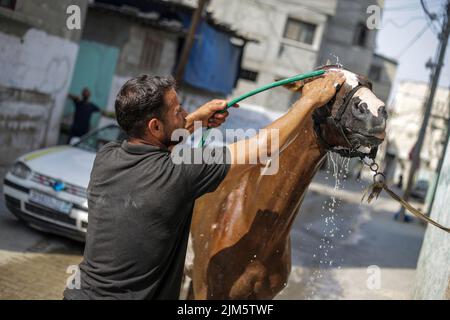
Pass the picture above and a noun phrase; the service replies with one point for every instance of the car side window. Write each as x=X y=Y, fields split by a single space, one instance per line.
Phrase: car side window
x=96 y=140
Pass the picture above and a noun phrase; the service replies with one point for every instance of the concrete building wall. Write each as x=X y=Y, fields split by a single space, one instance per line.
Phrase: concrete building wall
x=48 y=16
x=129 y=36
x=382 y=73
x=24 y=119
x=38 y=54
x=274 y=56
x=338 y=44
x=433 y=268
x=404 y=125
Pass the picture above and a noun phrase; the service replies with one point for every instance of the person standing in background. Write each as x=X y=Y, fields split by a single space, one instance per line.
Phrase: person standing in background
x=83 y=113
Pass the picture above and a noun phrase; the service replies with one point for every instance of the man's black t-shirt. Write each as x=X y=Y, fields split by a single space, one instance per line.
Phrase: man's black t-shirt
x=140 y=208
x=82 y=117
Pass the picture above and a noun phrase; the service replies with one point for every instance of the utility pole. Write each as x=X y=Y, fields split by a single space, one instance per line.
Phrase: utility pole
x=196 y=18
x=444 y=35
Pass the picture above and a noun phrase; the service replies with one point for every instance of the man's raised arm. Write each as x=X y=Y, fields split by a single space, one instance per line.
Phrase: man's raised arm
x=314 y=94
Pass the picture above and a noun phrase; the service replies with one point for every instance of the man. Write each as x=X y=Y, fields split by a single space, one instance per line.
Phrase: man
x=83 y=112
x=141 y=202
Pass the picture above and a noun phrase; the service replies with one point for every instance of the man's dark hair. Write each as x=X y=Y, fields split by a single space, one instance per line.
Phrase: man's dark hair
x=139 y=100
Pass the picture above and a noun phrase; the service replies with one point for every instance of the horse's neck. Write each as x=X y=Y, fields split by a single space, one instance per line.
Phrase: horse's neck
x=257 y=203
x=298 y=163
x=305 y=153
x=247 y=201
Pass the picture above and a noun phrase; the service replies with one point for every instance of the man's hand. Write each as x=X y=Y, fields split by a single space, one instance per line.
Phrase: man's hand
x=207 y=114
x=320 y=91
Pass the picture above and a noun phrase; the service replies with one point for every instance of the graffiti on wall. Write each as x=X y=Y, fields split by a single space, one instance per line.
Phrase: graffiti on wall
x=39 y=62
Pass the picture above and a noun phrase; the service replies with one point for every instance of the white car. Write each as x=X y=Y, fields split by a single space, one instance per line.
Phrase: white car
x=47 y=188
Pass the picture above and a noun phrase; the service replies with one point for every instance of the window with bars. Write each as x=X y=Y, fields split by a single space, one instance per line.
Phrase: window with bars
x=375 y=73
x=248 y=75
x=151 y=52
x=9 y=4
x=300 y=31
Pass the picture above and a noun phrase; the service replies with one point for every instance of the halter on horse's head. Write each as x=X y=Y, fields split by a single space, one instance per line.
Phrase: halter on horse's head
x=353 y=123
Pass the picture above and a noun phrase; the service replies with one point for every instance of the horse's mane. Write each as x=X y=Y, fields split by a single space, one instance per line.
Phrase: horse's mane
x=361 y=78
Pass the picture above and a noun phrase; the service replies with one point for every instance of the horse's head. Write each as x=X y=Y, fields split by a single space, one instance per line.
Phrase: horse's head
x=353 y=123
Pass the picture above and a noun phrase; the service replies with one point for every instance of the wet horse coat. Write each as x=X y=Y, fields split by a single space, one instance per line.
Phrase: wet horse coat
x=241 y=231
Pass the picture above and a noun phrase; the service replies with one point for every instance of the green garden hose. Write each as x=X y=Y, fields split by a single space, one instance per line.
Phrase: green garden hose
x=264 y=88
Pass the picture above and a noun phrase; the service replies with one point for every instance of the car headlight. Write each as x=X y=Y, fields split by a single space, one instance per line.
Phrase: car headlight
x=21 y=170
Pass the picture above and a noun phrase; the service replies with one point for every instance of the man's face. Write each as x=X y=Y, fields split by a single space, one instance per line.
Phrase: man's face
x=174 y=116
x=85 y=94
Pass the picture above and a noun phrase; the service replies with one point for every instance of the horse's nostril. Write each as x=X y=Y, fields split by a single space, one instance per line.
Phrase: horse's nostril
x=382 y=111
x=378 y=124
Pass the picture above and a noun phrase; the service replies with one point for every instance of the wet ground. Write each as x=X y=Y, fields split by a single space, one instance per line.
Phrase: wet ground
x=333 y=243
x=344 y=249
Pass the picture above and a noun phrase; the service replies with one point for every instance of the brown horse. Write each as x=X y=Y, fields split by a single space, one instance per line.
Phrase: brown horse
x=241 y=232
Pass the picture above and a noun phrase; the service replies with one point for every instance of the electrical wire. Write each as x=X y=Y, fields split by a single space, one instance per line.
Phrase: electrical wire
x=413 y=40
x=431 y=17
x=406 y=7
x=403 y=25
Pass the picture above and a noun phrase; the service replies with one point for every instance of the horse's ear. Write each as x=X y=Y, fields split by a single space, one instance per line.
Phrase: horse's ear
x=365 y=81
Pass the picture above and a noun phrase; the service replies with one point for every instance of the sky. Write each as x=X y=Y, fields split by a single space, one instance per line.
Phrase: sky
x=402 y=21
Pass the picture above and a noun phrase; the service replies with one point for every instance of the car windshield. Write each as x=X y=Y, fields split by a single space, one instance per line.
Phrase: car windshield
x=97 y=139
